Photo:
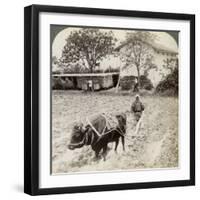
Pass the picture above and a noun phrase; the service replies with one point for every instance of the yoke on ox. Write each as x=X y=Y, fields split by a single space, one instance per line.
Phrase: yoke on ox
x=98 y=133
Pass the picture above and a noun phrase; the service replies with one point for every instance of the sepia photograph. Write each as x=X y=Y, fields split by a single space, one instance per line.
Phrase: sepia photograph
x=109 y=99
x=114 y=99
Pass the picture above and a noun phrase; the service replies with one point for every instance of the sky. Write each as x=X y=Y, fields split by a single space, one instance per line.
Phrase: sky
x=59 y=41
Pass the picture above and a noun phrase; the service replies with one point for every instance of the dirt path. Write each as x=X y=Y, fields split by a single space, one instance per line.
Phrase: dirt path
x=152 y=151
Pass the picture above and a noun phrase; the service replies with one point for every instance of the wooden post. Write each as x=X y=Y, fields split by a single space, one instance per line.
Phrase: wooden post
x=117 y=86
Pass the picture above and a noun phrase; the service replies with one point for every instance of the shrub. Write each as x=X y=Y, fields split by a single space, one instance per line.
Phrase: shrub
x=128 y=83
x=60 y=84
x=169 y=84
x=145 y=83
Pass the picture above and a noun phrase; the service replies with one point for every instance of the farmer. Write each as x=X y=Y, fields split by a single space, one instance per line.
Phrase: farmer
x=136 y=85
x=90 y=85
x=137 y=108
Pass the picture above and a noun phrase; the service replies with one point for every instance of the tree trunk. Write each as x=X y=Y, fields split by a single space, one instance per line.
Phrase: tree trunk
x=118 y=82
x=138 y=72
x=91 y=65
x=117 y=86
x=91 y=69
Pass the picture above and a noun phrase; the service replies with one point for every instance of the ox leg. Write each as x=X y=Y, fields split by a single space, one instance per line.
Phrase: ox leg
x=123 y=143
x=105 y=152
x=97 y=156
x=116 y=144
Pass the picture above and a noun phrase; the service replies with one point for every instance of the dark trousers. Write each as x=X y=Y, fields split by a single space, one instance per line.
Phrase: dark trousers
x=137 y=115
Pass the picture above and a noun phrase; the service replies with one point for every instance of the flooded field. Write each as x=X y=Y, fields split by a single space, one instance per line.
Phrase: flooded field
x=155 y=146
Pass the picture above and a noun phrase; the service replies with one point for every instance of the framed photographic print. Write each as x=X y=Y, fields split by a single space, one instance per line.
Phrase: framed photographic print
x=109 y=100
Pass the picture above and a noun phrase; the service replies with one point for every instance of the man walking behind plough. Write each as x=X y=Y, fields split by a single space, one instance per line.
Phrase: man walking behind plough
x=137 y=108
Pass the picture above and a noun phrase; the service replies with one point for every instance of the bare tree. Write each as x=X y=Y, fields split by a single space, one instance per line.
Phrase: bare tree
x=88 y=46
x=136 y=52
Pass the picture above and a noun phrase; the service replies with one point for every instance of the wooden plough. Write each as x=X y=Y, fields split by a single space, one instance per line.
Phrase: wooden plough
x=137 y=127
x=135 y=135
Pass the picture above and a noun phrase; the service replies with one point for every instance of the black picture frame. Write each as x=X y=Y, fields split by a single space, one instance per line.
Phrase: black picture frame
x=31 y=98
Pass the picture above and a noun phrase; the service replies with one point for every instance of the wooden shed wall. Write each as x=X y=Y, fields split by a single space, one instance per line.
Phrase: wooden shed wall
x=103 y=81
x=80 y=82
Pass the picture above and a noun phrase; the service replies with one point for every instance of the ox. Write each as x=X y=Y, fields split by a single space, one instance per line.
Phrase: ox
x=97 y=134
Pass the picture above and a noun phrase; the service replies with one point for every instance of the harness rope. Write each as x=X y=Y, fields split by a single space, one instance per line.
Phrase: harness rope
x=106 y=126
x=94 y=129
x=86 y=138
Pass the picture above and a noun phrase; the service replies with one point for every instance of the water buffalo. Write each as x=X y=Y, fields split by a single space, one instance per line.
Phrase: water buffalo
x=98 y=135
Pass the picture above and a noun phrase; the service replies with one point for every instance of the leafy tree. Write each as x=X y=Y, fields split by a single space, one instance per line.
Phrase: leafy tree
x=170 y=81
x=169 y=64
x=137 y=52
x=88 y=46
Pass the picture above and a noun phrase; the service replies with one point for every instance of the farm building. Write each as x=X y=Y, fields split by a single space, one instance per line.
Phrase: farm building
x=80 y=81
